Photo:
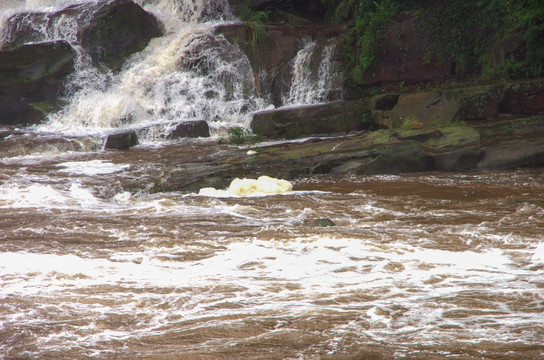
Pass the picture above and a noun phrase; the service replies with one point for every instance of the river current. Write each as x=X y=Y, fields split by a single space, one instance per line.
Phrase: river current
x=424 y=266
x=96 y=263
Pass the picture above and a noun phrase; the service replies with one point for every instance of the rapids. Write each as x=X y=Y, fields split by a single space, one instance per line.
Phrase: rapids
x=424 y=266
x=97 y=263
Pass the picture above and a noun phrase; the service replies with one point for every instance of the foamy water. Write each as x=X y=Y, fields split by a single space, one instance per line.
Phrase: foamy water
x=429 y=265
x=97 y=262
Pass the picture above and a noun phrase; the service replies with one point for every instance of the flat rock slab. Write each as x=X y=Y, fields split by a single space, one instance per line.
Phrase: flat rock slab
x=340 y=117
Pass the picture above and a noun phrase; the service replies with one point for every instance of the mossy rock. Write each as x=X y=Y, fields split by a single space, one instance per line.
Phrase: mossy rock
x=454 y=137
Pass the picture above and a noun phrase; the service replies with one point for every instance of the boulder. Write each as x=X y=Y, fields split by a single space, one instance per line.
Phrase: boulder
x=339 y=117
x=401 y=157
x=419 y=109
x=175 y=130
x=513 y=155
x=109 y=31
x=121 y=140
x=321 y=222
x=116 y=31
x=31 y=78
x=190 y=129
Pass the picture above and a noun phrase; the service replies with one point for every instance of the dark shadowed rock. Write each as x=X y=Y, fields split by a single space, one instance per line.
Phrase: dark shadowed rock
x=322 y=222
x=109 y=31
x=383 y=102
x=524 y=98
x=190 y=129
x=32 y=76
x=121 y=140
x=116 y=31
x=325 y=119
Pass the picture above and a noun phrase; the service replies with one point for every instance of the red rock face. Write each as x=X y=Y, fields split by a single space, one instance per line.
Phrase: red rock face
x=405 y=56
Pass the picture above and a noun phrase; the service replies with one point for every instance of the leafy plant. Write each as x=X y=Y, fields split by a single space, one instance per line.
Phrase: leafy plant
x=255 y=20
x=240 y=136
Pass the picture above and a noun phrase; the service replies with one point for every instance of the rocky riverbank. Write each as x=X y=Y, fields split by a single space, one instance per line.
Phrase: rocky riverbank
x=383 y=127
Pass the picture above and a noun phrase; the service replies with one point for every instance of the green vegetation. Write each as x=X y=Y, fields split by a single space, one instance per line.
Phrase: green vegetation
x=255 y=19
x=240 y=136
x=467 y=33
x=367 y=22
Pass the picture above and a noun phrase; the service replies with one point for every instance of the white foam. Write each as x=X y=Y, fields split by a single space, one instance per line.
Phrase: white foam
x=91 y=167
x=48 y=197
x=538 y=256
x=264 y=185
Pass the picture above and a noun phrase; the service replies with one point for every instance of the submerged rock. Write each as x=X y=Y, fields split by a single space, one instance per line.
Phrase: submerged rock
x=339 y=117
x=31 y=75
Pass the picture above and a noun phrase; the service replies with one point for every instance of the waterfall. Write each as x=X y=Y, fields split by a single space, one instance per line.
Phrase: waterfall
x=190 y=73
x=309 y=86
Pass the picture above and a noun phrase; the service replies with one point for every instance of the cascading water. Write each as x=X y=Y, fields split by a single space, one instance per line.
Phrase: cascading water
x=98 y=260
x=189 y=73
x=307 y=85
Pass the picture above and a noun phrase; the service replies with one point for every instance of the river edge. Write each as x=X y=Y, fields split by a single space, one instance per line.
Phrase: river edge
x=188 y=165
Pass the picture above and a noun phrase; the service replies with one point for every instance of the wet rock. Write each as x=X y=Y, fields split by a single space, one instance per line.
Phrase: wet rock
x=190 y=129
x=18 y=143
x=322 y=222
x=32 y=75
x=116 y=31
x=325 y=119
x=121 y=140
x=395 y=158
x=405 y=55
x=440 y=108
x=457 y=160
x=272 y=61
x=416 y=110
x=109 y=31
x=523 y=98
x=513 y=155
x=175 y=130
x=197 y=176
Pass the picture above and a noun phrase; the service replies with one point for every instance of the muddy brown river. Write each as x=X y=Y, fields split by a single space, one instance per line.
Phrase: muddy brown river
x=424 y=266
